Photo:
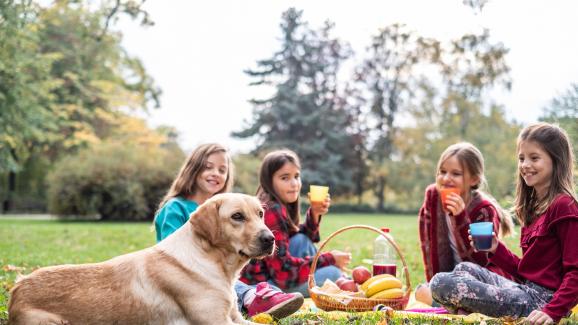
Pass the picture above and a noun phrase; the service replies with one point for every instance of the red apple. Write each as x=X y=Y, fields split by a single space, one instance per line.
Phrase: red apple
x=348 y=285
x=360 y=274
x=340 y=281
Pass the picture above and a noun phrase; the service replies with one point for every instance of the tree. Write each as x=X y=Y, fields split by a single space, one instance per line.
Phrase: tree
x=24 y=84
x=420 y=145
x=354 y=104
x=25 y=87
x=96 y=78
x=303 y=114
x=564 y=111
x=389 y=75
x=67 y=81
x=469 y=67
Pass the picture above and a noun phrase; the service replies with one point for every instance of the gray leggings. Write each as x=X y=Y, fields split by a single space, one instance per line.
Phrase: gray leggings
x=475 y=289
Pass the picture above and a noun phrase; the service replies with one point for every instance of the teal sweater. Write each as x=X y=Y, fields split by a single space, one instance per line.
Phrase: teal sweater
x=173 y=215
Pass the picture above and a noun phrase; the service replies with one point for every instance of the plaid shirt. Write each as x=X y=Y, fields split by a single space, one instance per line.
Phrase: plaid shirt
x=284 y=270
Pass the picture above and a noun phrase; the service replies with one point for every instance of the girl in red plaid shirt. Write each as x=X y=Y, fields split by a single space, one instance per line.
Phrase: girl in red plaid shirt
x=289 y=267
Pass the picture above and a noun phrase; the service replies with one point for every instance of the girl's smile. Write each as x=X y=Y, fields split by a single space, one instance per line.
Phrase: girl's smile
x=535 y=166
x=212 y=178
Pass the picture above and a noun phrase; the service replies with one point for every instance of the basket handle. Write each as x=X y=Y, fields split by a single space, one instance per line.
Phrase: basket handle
x=397 y=250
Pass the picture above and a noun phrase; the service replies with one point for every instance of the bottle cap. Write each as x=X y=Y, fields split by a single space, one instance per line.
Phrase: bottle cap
x=384 y=229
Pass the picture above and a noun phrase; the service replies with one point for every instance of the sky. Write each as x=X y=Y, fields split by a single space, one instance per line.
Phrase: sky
x=197 y=51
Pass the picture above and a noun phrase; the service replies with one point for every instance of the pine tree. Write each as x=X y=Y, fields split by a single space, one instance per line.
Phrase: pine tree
x=303 y=114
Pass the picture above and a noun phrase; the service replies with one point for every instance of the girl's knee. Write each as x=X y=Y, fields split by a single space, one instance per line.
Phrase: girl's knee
x=334 y=272
x=330 y=272
x=466 y=267
x=435 y=281
x=301 y=246
x=439 y=283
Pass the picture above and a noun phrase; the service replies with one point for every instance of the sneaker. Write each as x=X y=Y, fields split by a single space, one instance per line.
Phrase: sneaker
x=273 y=302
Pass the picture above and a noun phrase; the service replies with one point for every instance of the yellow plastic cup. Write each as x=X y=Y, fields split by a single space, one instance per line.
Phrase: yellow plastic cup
x=318 y=193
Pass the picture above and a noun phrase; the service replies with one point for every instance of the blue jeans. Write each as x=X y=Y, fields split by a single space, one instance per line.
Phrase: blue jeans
x=241 y=290
x=476 y=289
x=301 y=246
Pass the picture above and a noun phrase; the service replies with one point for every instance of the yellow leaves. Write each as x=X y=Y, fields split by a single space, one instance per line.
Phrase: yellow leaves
x=263 y=319
x=476 y=318
x=134 y=130
x=12 y=268
x=85 y=136
x=116 y=95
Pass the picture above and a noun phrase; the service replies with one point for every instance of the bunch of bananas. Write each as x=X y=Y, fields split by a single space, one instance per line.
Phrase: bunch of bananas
x=383 y=286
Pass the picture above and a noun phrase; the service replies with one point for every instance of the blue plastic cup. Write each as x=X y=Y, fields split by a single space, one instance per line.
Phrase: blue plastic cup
x=482 y=234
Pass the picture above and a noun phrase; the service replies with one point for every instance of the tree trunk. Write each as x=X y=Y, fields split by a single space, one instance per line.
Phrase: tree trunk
x=7 y=204
x=380 y=194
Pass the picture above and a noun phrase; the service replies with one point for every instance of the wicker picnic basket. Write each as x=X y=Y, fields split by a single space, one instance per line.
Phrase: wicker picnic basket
x=330 y=302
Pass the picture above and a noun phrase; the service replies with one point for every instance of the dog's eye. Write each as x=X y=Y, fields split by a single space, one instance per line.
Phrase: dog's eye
x=261 y=214
x=238 y=216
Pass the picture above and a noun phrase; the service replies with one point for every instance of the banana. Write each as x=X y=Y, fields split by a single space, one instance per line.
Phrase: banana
x=369 y=281
x=382 y=284
x=392 y=293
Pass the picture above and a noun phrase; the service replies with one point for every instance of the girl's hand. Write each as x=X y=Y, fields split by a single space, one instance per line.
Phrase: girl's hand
x=342 y=259
x=492 y=248
x=537 y=317
x=319 y=208
x=455 y=204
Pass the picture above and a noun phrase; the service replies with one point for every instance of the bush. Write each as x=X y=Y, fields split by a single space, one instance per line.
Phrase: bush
x=112 y=181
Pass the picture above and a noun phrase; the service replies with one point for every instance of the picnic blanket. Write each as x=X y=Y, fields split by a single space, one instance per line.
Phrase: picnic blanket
x=415 y=308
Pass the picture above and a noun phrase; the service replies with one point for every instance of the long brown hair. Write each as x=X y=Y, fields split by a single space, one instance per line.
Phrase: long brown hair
x=185 y=184
x=555 y=142
x=272 y=162
x=472 y=161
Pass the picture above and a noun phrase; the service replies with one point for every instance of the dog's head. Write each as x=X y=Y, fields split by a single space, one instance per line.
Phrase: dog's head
x=234 y=222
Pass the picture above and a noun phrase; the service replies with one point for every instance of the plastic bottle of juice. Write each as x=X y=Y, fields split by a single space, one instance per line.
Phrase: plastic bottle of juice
x=384 y=258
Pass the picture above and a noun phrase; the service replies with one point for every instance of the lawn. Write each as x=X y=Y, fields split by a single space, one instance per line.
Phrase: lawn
x=28 y=244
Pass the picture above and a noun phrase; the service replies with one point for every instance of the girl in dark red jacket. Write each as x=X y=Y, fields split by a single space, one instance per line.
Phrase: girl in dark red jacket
x=289 y=267
x=547 y=272
x=443 y=223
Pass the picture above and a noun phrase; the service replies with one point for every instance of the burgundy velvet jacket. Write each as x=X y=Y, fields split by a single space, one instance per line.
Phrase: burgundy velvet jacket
x=434 y=235
x=549 y=255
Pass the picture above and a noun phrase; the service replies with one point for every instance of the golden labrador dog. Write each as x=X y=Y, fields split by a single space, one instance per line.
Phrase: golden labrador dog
x=187 y=278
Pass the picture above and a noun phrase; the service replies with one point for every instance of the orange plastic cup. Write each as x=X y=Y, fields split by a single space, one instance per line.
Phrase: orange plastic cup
x=445 y=192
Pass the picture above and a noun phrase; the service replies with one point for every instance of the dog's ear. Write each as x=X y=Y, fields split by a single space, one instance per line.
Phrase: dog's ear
x=205 y=221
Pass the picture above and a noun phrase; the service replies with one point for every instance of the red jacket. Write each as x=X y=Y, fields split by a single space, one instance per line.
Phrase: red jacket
x=434 y=235
x=284 y=270
x=549 y=255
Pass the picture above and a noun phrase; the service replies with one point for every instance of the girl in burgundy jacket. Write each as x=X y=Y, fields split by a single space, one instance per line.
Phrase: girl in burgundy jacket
x=443 y=229
x=547 y=207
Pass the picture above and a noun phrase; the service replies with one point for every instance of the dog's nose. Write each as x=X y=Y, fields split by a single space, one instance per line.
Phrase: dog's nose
x=266 y=238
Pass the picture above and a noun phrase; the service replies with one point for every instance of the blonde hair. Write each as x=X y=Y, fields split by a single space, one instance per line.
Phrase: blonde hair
x=272 y=162
x=185 y=184
x=555 y=142
x=472 y=161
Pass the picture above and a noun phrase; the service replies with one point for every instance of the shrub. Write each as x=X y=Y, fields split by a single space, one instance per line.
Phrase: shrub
x=112 y=181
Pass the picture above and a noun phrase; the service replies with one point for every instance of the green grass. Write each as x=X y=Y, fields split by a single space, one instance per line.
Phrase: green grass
x=28 y=244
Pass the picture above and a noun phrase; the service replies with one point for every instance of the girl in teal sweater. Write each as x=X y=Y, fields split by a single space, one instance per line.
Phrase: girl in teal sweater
x=206 y=172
